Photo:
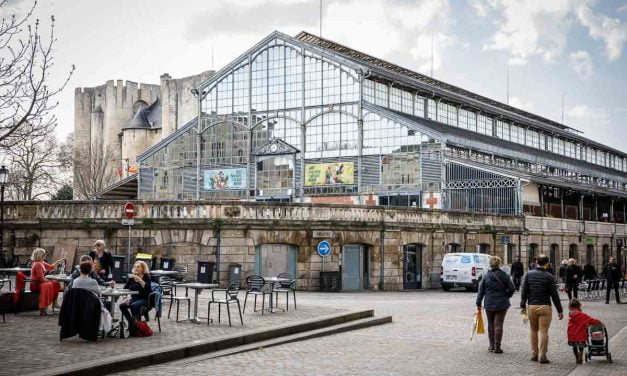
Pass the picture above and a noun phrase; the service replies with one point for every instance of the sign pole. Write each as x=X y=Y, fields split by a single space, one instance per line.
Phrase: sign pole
x=128 y=251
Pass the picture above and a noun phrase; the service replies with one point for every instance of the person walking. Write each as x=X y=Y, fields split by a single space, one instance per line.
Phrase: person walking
x=573 y=278
x=517 y=272
x=496 y=288
x=533 y=264
x=538 y=290
x=562 y=271
x=613 y=275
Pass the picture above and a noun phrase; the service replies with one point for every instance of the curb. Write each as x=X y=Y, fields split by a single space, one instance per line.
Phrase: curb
x=126 y=362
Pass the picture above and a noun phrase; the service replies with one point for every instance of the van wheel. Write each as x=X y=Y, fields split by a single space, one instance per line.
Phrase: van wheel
x=446 y=288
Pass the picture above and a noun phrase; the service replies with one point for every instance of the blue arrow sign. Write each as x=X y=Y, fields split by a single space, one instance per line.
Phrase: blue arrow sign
x=324 y=248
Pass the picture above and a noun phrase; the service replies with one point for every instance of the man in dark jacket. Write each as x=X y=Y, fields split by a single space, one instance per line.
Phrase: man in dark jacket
x=589 y=272
x=517 y=272
x=573 y=277
x=539 y=289
x=613 y=275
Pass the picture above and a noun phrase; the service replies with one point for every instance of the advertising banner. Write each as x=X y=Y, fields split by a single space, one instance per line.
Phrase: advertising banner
x=329 y=173
x=226 y=178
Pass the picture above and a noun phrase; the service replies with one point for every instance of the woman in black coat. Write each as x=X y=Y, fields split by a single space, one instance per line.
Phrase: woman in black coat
x=495 y=289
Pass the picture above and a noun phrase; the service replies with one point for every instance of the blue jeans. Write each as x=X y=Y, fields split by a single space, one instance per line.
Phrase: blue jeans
x=130 y=310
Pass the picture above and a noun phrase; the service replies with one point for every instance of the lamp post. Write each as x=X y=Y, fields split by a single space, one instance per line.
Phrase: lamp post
x=4 y=175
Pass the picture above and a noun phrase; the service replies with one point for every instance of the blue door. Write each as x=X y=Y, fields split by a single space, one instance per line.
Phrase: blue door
x=352 y=267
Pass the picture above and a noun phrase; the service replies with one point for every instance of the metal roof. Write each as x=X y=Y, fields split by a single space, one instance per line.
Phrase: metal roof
x=123 y=189
x=394 y=72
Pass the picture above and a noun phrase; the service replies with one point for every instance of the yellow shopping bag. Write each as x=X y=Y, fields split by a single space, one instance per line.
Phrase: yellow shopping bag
x=477 y=324
x=480 y=327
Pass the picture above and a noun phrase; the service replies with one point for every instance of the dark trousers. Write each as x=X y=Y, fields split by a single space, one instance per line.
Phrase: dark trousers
x=495 y=327
x=132 y=309
x=572 y=289
x=612 y=285
x=517 y=280
x=577 y=349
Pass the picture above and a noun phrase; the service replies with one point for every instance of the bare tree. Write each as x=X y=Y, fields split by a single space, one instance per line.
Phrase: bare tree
x=26 y=60
x=34 y=166
x=93 y=170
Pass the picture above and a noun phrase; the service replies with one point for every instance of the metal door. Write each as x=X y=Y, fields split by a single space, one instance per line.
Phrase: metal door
x=272 y=259
x=352 y=267
x=412 y=266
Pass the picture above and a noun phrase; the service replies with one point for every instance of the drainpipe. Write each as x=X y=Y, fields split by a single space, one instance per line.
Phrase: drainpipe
x=381 y=267
x=217 y=236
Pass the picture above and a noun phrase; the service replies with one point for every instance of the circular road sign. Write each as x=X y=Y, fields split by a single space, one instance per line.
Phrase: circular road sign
x=324 y=248
x=129 y=210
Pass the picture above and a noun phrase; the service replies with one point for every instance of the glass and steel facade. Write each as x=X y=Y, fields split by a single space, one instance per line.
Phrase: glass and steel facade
x=291 y=119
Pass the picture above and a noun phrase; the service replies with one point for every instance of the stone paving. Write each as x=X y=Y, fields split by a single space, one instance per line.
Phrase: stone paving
x=31 y=343
x=429 y=336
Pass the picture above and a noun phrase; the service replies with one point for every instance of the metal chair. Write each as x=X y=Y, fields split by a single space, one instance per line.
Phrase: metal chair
x=181 y=273
x=285 y=287
x=254 y=286
x=178 y=299
x=152 y=303
x=229 y=297
x=4 y=279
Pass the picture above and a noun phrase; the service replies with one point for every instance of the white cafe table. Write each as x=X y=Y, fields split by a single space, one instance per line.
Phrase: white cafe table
x=197 y=287
x=114 y=295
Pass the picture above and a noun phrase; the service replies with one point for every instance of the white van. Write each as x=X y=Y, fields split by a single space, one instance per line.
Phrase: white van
x=463 y=270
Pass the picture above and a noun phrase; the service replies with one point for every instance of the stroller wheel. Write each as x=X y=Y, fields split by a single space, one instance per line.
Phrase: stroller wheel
x=609 y=357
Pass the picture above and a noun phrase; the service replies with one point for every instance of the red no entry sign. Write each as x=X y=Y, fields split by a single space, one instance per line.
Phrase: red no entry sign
x=129 y=210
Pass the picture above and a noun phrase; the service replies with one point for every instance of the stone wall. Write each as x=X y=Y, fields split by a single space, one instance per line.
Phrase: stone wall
x=189 y=232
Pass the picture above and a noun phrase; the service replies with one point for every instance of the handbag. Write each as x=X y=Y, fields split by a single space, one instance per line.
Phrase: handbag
x=143 y=330
x=509 y=292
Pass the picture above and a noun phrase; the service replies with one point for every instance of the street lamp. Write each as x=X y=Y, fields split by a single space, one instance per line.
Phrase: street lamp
x=4 y=176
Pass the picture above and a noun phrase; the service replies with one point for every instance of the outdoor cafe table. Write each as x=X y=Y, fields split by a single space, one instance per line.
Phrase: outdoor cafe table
x=15 y=270
x=157 y=274
x=65 y=278
x=197 y=287
x=272 y=281
x=114 y=294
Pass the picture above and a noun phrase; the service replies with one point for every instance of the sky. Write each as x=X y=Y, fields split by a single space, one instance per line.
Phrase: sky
x=554 y=50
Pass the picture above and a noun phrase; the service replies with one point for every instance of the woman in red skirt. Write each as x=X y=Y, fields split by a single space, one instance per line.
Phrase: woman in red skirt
x=48 y=290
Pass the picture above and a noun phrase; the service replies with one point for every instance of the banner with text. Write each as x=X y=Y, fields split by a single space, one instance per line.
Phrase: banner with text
x=227 y=178
x=329 y=173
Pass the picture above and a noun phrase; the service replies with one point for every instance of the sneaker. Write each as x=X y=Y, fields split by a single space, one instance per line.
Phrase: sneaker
x=491 y=348
x=544 y=360
x=498 y=350
x=534 y=358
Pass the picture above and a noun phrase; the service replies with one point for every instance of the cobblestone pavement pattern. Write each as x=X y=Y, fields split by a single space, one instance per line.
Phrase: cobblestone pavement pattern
x=429 y=336
x=30 y=343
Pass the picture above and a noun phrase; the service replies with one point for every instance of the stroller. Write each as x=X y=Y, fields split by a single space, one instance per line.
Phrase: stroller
x=598 y=342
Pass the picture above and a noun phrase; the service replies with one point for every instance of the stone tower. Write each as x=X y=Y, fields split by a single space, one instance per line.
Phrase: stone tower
x=114 y=117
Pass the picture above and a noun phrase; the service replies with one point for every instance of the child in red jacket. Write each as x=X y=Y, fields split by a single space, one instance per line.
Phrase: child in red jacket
x=578 y=323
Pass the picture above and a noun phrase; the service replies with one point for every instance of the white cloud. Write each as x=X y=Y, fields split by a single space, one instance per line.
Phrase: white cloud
x=584 y=112
x=395 y=29
x=521 y=103
x=611 y=31
x=582 y=64
x=530 y=28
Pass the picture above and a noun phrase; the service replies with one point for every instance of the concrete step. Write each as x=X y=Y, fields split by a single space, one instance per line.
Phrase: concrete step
x=335 y=329
x=135 y=360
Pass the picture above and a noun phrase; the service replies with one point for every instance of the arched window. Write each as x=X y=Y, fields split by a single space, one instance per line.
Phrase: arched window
x=483 y=248
x=606 y=254
x=572 y=251
x=590 y=254
x=453 y=247
x=553 y=252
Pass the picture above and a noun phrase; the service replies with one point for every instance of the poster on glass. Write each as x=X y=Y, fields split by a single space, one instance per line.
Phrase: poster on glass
x=226 y=178
x=329 y=173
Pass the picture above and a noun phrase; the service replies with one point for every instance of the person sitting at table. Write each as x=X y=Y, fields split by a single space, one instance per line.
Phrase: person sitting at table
x=103 y=261
x=48 y=290
x=138 y=281
x=92 y=274
x=85 y=280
